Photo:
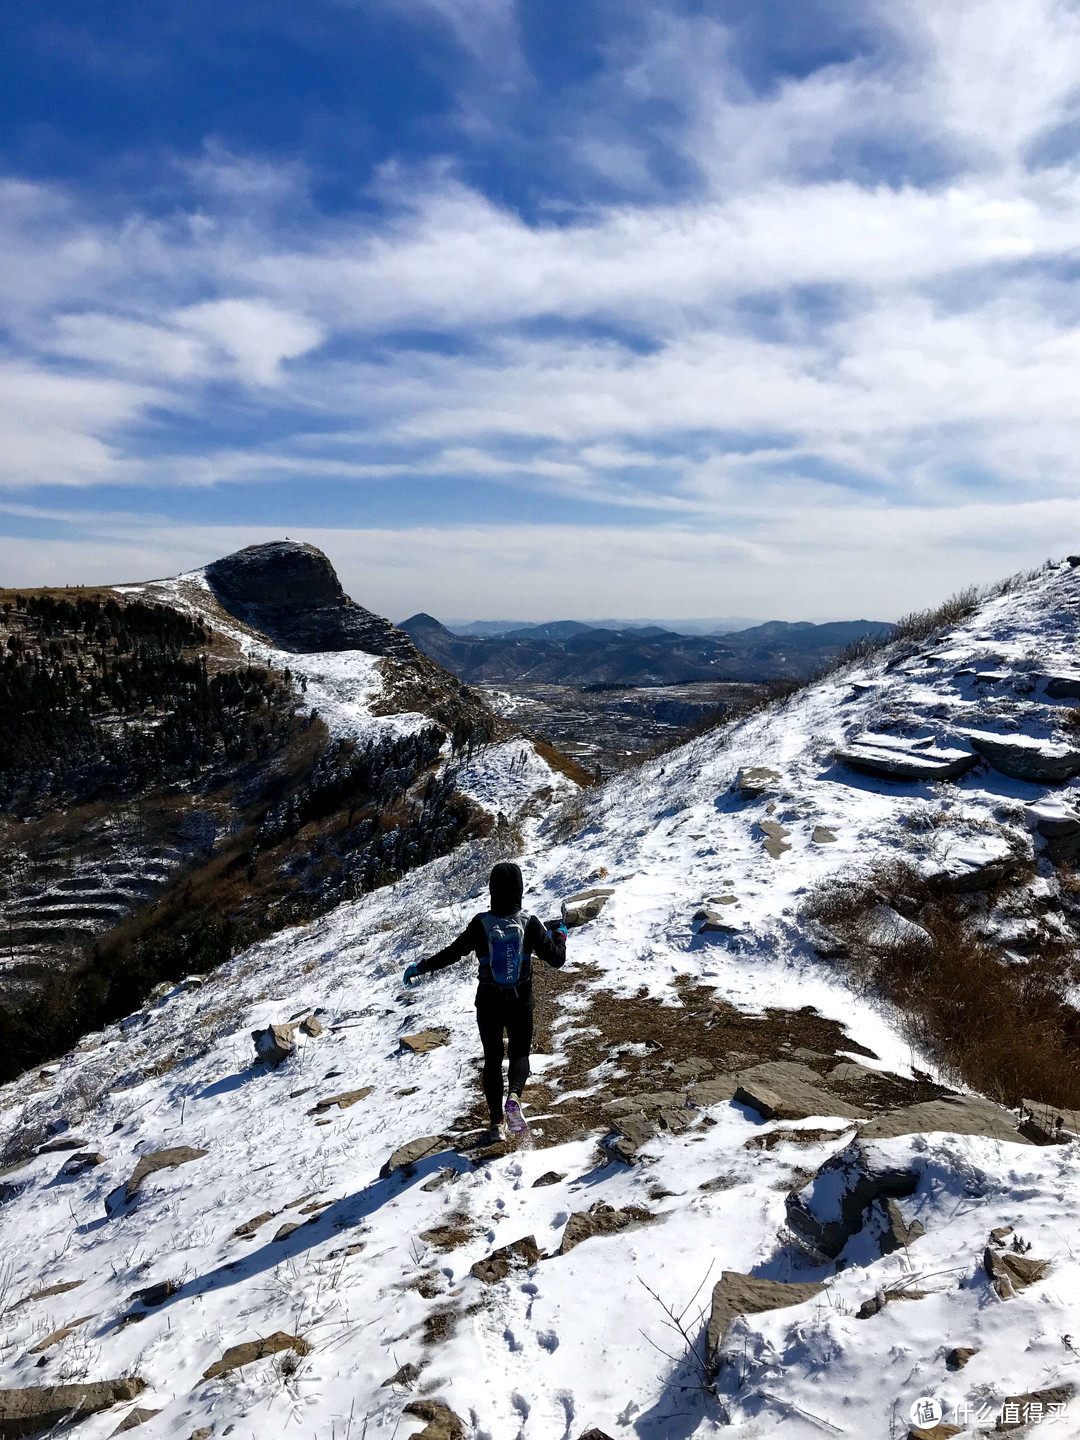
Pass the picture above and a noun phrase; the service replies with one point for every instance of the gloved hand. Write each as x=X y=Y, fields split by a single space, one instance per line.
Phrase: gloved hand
x=554 y=925
x=412 y=975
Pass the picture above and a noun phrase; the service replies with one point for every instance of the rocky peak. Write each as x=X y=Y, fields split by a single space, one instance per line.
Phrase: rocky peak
x=291 y=593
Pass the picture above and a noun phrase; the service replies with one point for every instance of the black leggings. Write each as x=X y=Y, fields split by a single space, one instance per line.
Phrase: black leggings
x=494 y=1014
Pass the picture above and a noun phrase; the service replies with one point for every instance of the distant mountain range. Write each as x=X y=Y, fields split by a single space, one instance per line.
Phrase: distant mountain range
x=570 y=652
x=486 y=629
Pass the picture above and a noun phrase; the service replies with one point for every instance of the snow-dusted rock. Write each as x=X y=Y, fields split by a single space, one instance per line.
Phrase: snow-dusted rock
x=411 y=1154
x=735 y=1294
x=251 y=1350
x=956 y=1114
x=897 y=759
x=35 y=1408
x=149 y=1165
x=833 y=1207
x=889 y=930
x=1058 y=826
x=756 y=780
x=788 y=1090
x=1026 y=757
x=585 y=905
x=274 y=1044
x=1063 y=686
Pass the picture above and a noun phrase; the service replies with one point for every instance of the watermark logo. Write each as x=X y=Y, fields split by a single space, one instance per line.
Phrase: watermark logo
x=1025 y=1410
x=926 y=1411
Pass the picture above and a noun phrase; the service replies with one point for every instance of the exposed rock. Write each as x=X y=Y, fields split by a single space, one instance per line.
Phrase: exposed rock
x=312 y=1026
x=888 y=930
x=442 y=1423
x=892 y=1230
x=823 y=835
x=64 y=1142
x=1010 y=1273
x=1000 y=1234
x=290 y=592
x=519 y=1254
x=78 y=1164
x=712 y=921
x=1048 y=1124
x=756 y=780
x=735 y=1294
x=342 y=1101
x=148 y=1165
x=849 y=1072
x=787 y=1090
x=248 y=1228
x=717 y=1090
x=869 y=1308
x=648 y=1102
x=775 y=837
x=1024 y=757
x=58 y=1335
x=405 y=1375
x=289 y=1228
x=135 y=1418
x=959 y=1355
x=1020 y=1410
x=47 y=1293
x=832 y=1207
x=549 y=1177
x=974 y=865
x=585 y=905
x=426 y=1040
x=944 y=1431
x=446 y=1176
x=1058 y=826
x=678 y=1120
x=1062 y=687
x=157 y=1294
x=594 y=1434
x=35 y=1408
x=956 y=1114
x=408 y=1155
x=772 y=1138
x=238 y=1355
x=204 y=1432
x=274 y=1044
x=897 y=759
x=636 y=1130
x=600 y=1219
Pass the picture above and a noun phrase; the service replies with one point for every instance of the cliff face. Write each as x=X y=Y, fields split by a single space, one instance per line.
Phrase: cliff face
x=291 y=593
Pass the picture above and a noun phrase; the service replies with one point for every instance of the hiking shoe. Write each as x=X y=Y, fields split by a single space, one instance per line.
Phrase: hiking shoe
x=514 y=1118
x=494 y=1136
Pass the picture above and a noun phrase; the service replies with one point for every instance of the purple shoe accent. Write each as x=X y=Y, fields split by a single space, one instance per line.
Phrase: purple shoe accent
x=514 y=1118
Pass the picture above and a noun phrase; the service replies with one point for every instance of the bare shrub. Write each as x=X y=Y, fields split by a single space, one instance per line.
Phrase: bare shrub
x=1006 y=1029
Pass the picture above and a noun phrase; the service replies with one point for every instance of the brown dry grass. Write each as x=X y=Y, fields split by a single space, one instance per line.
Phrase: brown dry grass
x=1006 y=1029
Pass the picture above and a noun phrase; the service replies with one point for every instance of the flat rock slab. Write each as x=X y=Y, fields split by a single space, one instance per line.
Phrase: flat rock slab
x=904 y=760
x=249 y=1227
x=735 y=1294
x=251 y=1350
x=416 y=1150
x=1010 y=1272
x=149 y=1165
x=788 y=1090
x=1062 y=687
x=714 y=921
x=35 y=1408
x=1024 y=757
x=58 y=1335
x=520 y=1254
x=425 y=1040
x=600 y=1219
x=342 y=1101
x=823 y=835
x=585 y=906
x=775 y=837
x=954 y=1114
x=442 y=1423
x=756 y=780
x=47 y=1293
x=1035 y=1407
x=134 y=1418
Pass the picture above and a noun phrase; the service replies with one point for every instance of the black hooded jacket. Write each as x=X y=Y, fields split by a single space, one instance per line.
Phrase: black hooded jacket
x=507 y=890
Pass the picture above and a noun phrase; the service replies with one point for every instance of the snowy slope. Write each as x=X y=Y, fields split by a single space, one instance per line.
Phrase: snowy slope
x=575 y=1340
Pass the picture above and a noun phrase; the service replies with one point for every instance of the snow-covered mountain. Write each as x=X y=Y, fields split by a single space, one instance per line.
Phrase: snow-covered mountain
x=748 y=1203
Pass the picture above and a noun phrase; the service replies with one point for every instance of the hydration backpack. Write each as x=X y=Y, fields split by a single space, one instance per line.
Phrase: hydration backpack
x=506 y=946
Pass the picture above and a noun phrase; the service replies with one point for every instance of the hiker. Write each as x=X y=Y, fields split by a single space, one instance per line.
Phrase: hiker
x=504 y=939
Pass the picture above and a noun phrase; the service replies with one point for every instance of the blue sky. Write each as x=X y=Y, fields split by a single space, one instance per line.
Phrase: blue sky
x=545 y=309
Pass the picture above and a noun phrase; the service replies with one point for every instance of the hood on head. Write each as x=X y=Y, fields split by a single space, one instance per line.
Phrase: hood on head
x=507 y=889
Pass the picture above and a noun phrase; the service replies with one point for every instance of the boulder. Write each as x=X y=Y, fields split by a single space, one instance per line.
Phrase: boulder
x=156 y=1294
x=585 y=906
x=1025 y=757
x=35 y=1408
x=442 y=1423
x=134 y=1418
x=823 y=835
x=955 y=1114
x=756 y=780
x=520 y=1254
x=1058 y=826
x=549 y=1177
x=426 y=1040
x=710 y=922
x=600 y=1219
x=1010 y=1272
x=959 y=1355
x=83 y=1161
x=47 y=1293
x=274 y=1044
x=239 y=1355
x=405 y=1375
x=149 y=1165
x=1062 y=686
x=833 y=1206
x=735 y=1294
x=788 y=1090
x=408 y=1155
x=249 y=1227
x=898 y=759
x=775 y=838
x=290 y=1227
x=311 y=1026
x=342 y=1101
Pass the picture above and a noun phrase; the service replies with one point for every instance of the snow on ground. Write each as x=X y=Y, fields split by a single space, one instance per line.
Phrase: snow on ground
x=578 y=1339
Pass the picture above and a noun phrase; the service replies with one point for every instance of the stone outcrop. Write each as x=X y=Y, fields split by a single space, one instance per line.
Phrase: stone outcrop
x=290 y=592
x=149 y=1165
x=735 y=1294
x=36 y=1408
x=239 y=1355
x=833 y=1207
x=959 y=1355
x=956 y=1114
x=1058 y=826
x=896 y=759
x=1062 y=686
x=426 y=1040
x=714 y=922
x=1010 y=1272
x=586 y=905
x=134 y=1418
x=249 y=1227
x=1024 y=757
x=83 y=1161
x=789 y=1090
x=775 y=841
x=342 y=1101
x=756 y=780
x=600 y=1219
x=406 y=1156
x=311 y=1026
x=442 y=1423
x=520 y=1254
x=274 y=1044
